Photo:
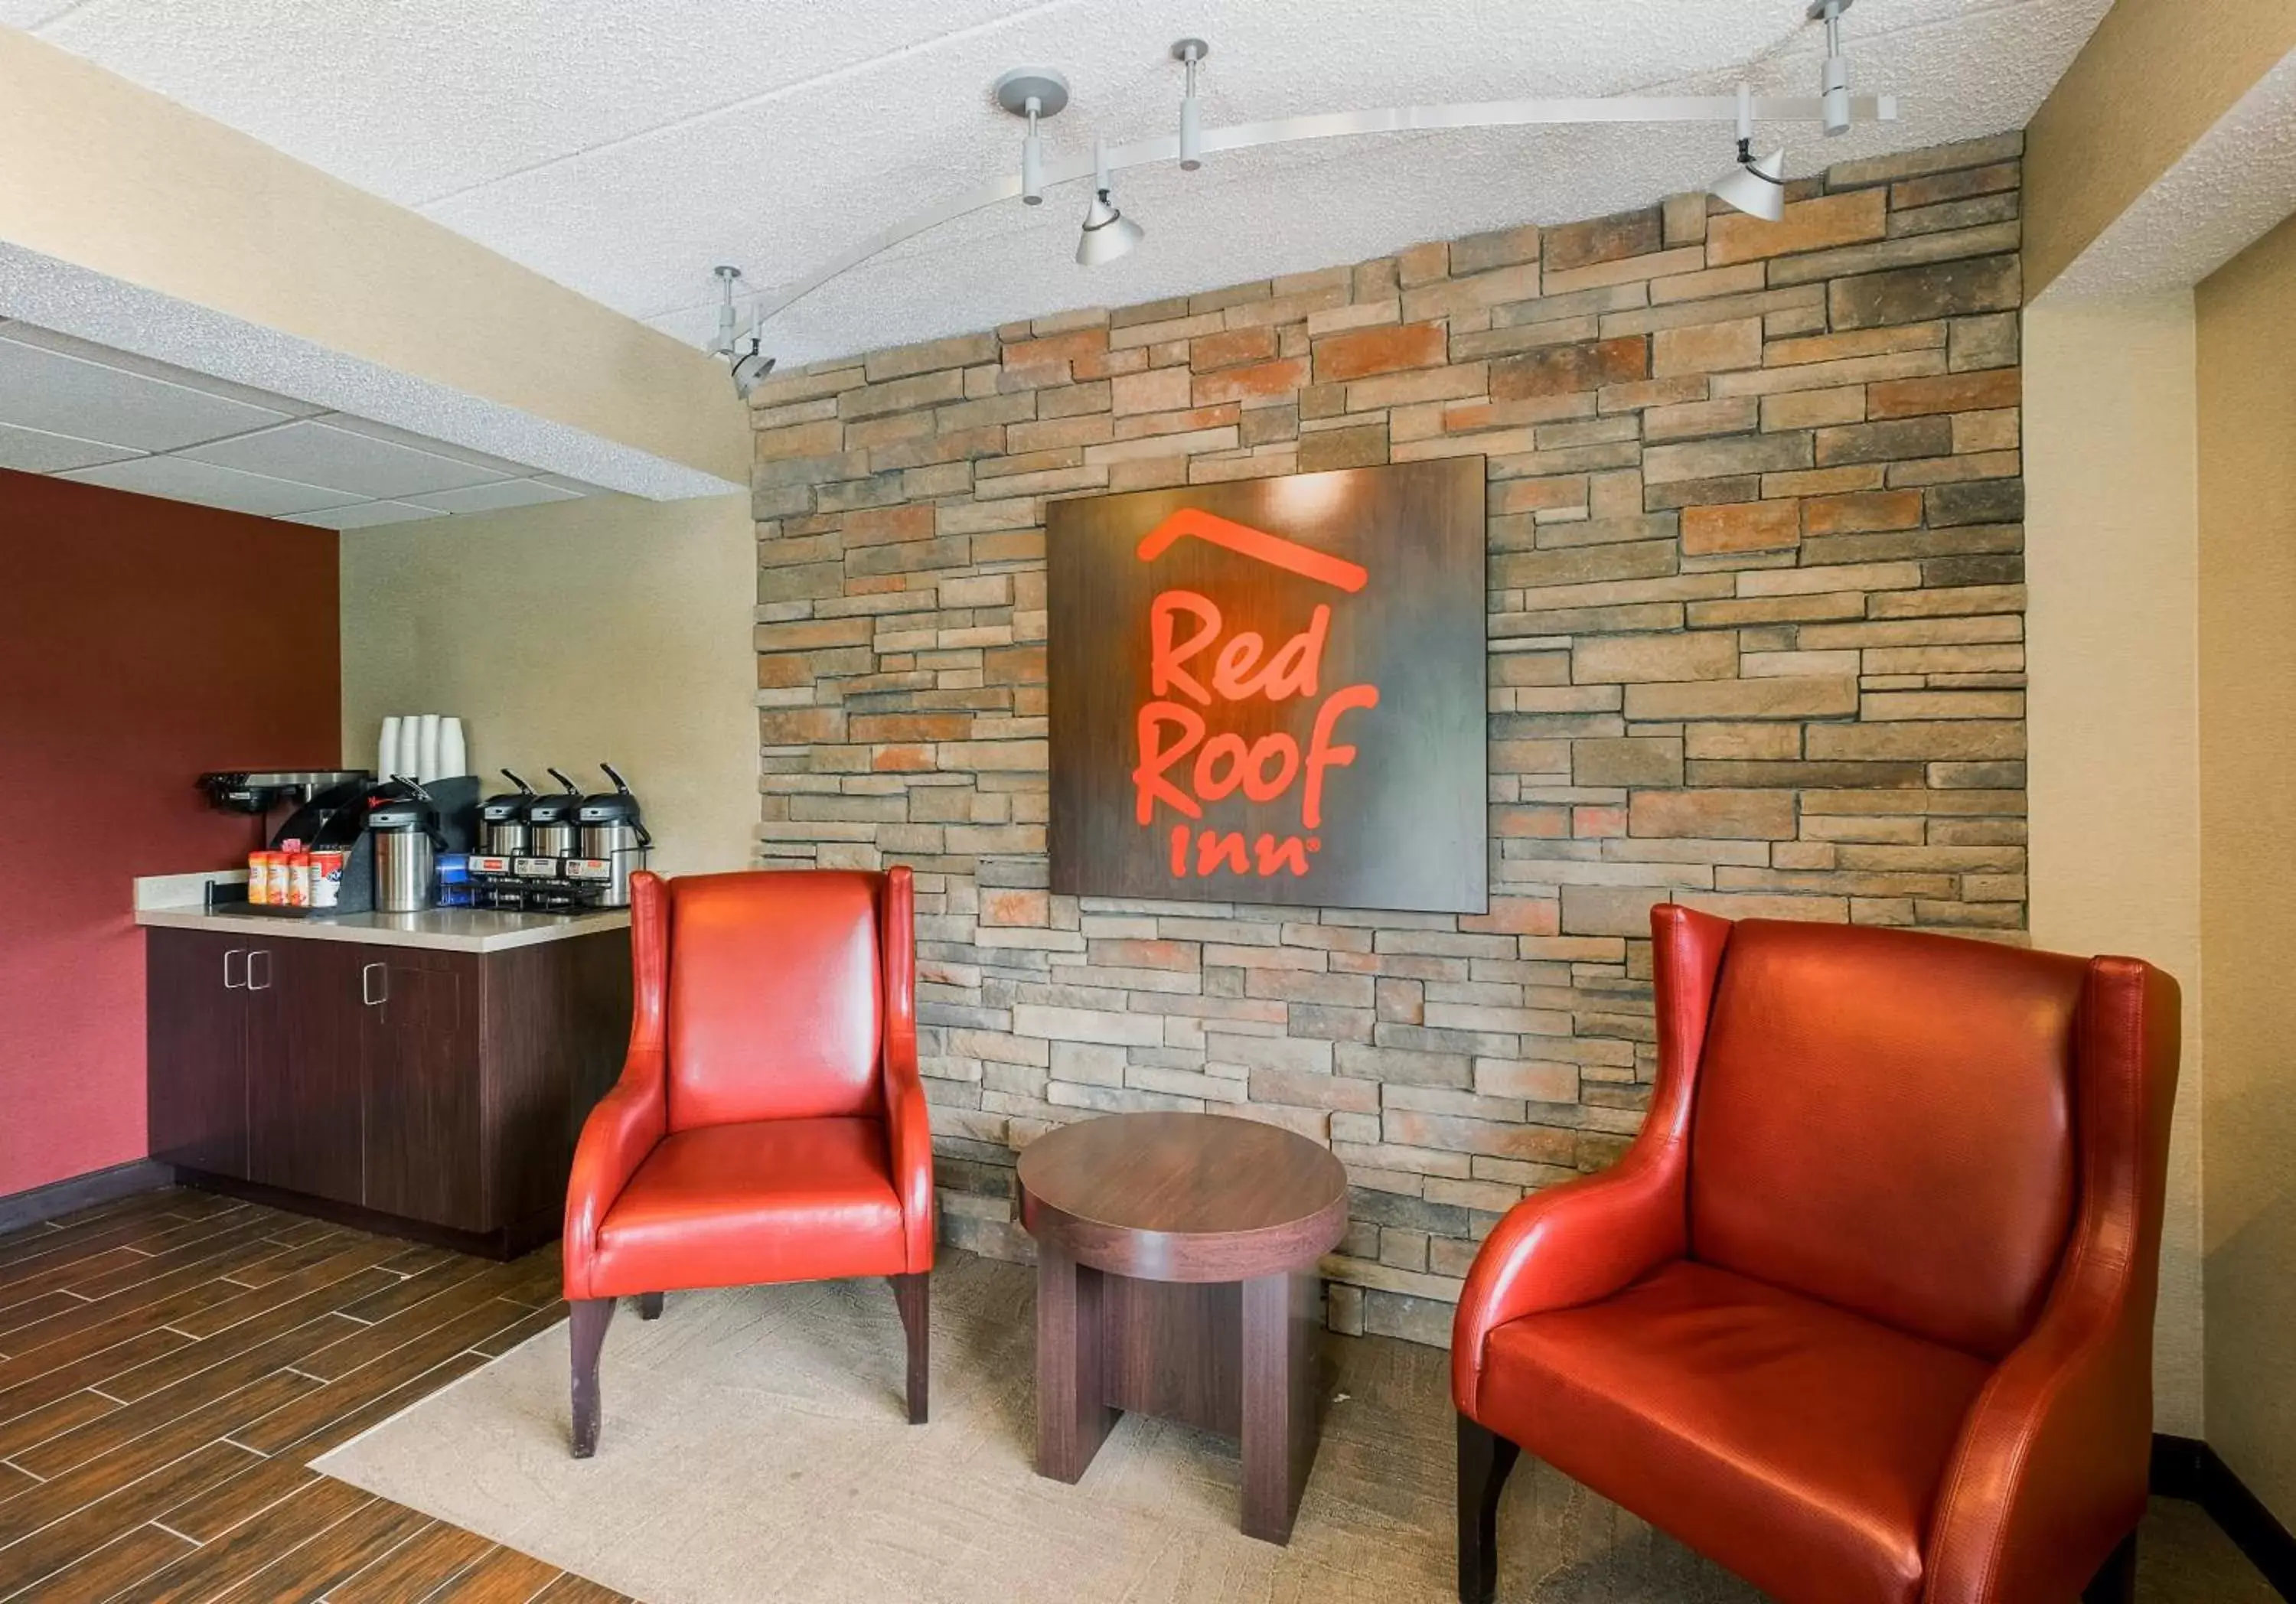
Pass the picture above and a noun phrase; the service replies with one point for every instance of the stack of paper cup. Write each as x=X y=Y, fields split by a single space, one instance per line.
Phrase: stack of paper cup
x=386 y=755
x=423 y=746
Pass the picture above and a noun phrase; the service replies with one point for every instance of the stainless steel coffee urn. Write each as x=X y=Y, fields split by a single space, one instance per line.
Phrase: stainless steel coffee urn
x=613 y=834
x=550 y=820
x=502 y=820
x=405 y=829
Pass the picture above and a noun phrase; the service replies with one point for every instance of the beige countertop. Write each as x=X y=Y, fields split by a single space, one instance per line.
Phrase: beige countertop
x=441 y=930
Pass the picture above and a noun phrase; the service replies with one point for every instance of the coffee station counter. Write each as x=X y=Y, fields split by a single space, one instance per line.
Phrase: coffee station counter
x=423 y=1074
x=438 y=929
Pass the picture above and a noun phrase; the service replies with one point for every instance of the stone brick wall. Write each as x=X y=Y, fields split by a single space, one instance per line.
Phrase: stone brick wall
x=1756 y=620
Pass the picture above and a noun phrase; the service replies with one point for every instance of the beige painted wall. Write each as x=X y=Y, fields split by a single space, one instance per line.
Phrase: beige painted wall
x=611 y=628
x=2111 y=560
x=114 y=178
x=2155 y=76
x=2247 y=343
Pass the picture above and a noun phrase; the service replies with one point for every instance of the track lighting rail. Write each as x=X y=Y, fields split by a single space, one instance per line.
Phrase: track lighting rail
x=1336 y=125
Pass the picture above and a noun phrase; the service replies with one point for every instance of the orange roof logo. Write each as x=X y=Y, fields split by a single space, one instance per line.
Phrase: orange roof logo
x=1255 y=544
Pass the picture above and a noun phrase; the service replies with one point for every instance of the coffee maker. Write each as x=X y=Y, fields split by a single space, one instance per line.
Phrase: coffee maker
x=566 y=852
x=614 y=842
x=502 y=820
x=330 y=810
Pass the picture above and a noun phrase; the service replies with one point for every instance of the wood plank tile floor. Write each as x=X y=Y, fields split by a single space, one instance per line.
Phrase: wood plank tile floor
x=171 y=1364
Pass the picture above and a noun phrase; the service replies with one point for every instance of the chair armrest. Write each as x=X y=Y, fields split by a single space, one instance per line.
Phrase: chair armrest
x=910 y=1133
x=1572 y=1244
x=2051 y=1465
x=2053 y=1460
x=627 y=1123
x=907 y=1129
x=1585 y=1239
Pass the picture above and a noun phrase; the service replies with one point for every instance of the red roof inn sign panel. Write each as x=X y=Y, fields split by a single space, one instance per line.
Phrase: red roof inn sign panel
x=1273 y=690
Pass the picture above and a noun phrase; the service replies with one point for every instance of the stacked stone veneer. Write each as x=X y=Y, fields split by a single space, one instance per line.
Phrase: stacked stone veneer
x=1756 y=626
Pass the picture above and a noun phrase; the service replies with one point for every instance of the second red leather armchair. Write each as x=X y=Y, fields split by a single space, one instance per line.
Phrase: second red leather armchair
x=1865 y=1313
x=768 y=1125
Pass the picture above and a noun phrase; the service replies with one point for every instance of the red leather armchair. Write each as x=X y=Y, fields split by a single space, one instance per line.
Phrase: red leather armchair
x=1866 y=1312
x=768 y=1125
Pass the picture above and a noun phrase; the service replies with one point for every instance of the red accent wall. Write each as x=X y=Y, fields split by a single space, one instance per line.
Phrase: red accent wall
x=142 y=643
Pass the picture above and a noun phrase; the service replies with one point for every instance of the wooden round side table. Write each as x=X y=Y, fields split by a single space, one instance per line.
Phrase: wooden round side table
x=1175 y=1258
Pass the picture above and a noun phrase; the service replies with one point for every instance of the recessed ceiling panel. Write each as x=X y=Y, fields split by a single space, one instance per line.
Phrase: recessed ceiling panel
x=365 y=515
x=423 y=98
x=44 y=389
x=494 y=497
x=315 y=452
x=130 y=362
x=180 y=479
x=32 y=451
x=494 y=466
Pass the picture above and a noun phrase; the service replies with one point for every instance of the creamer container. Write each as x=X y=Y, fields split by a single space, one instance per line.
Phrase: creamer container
x=274 y=880
x=298 y=880
x=327 y=878
x=258 y=881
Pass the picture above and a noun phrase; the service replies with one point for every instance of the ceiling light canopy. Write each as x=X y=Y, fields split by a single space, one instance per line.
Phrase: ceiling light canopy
x=1834 y=86
x=1188 y=53
x=1035 y=93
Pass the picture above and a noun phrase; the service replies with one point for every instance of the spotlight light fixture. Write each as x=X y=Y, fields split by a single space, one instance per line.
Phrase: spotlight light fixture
x=1188 y=53
x=1756 y=187
x=1107 y=232
x=749 y=362
x=1034 y=93
x=1834 y=87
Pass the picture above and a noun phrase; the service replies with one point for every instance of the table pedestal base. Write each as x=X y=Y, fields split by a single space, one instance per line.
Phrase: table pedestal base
x=1233 y=1357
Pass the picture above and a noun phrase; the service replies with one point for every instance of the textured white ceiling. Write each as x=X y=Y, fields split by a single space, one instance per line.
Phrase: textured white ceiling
x=2236 y=182
x=624 y=149
x=85 y=411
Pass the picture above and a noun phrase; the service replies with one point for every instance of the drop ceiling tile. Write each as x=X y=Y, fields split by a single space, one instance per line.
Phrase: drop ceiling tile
x=494 y=498
x=366 y=515
x=151 y=367
x=312 y=452
x=44 y=389
x=497 y=467
x=572 y=487
x=34 y=451
x=211 y=485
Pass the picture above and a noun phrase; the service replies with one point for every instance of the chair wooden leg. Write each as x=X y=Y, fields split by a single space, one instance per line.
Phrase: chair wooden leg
x=650 y=1306
x=589 y=1317
x=2116 y=1580
x=1485 y=1458
x=914 y=1295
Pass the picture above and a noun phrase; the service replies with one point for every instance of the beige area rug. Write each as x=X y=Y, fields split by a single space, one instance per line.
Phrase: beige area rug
x=754 y=1448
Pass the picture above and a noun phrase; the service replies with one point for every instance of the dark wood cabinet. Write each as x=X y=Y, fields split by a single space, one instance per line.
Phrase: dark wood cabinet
x=420 y=1063
x=435 y=1093
x=303 y=1112
x=196 y=1030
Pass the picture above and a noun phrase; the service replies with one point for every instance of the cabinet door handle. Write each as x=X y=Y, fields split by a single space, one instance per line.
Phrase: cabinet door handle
x=370 y=993
x=228 y=983
x=264 y=953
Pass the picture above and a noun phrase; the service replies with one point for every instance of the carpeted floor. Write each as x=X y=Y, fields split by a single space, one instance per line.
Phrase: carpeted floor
x=754 y=1449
